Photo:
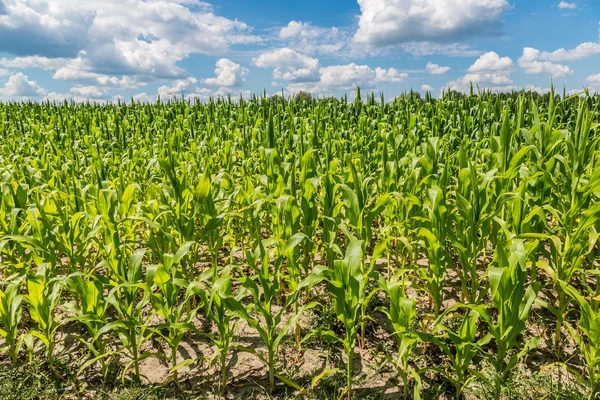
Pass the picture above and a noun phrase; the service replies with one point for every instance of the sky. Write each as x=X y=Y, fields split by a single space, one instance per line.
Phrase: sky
x=109 y=50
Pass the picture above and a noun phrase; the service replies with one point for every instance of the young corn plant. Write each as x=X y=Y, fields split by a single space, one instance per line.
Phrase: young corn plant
x=264 y=288
x=401 y=314
x=174 y=307
x=43 y=295
x=471 y=222
x=512 y=299
x=435 y=236
x=226 y=322
x=89 y=308
x=11 y=312
x=129 y=299
x=586 y=334
x=347 y=287
x=460 y=346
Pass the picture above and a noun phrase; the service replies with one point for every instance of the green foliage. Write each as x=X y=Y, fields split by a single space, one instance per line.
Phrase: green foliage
x=455 y=219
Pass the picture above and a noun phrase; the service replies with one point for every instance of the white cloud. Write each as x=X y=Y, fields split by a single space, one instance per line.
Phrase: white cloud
x=38 y=62
x=420 y=49
x=111 y=38
x=289 y=65
x=4 y=71
x=491 y=62
x=593 y=79
x=204 y=94
x=584 y=50
x=54 y=97
x=388 y=22
x=91 y=92
x=435 y=69
x=389 y=75
x=581 y=92
x=530 y=63
x=532 y=88
x=73 y=72
x=463 y=83
x=310 y=39
x=234 y=93
x=489 y=71
x=143 y=98
x=426 y=88
x=347 y=77
x=565 y=5
x=53 y=28
x=19 y=87
x=228 y=73
x=178 y=88
x=298 y=28
x=534 y=61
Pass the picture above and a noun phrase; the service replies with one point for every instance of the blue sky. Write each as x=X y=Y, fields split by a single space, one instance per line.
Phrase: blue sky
x=105 y=50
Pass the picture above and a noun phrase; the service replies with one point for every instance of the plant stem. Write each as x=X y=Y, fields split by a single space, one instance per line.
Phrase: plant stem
x=271 y=368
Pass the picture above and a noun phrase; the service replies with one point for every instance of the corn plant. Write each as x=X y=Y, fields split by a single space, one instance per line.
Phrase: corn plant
x=512 y=300
x=461 y=346
x=347 y=288
x=129 y=299
x=215 y=308
x=271 y=327
x=43 y=295
x=11 y=312
x=90 y=308
x=116 y=221
x=178 y=313
x=586 y=334
x=434 y=235
x=401 y=314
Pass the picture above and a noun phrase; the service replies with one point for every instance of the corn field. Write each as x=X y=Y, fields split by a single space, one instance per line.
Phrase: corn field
x=460 y=232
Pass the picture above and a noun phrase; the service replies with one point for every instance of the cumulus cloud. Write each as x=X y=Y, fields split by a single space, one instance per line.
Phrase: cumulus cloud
x=533 y=62
x=142 y=98
x=347 y=77
x=426 y=88
x=110 y=38
x=298 y=28
x=203 y=94
x=90 y=92
x=532 y=88
x=389 y=75
x=421 y=49
x=73 y=72
x=593 y=79
x=584 y=50
x=435 y=69
x=310 y=39
x=228 y=73
x=18 y=87
x=388 y=22
x=54 y=97
x=233 y=93
x=177 y=88
x=565 y=5
x=38 y=62
x=289 y=65
x=489 y=71
x=58 y=28
x=491 y=62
